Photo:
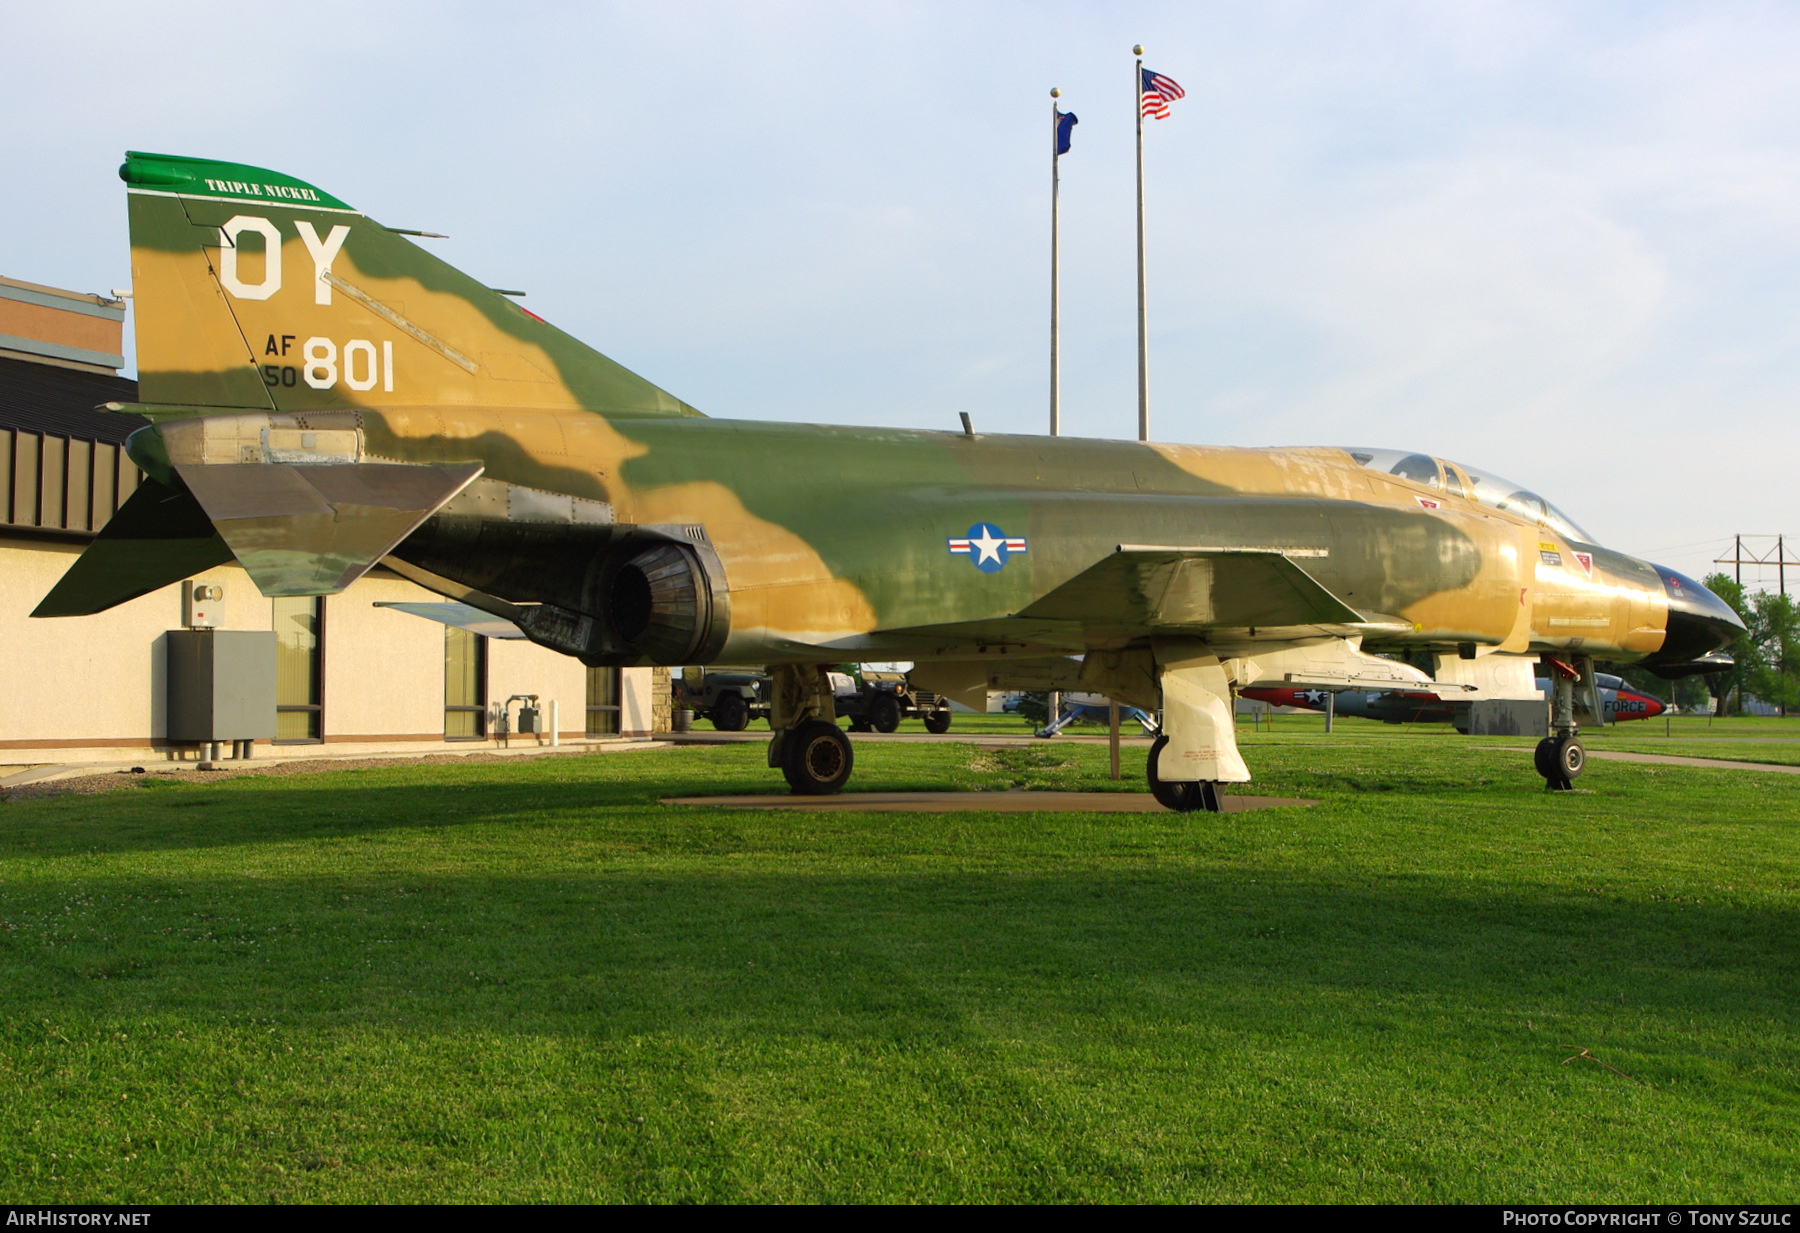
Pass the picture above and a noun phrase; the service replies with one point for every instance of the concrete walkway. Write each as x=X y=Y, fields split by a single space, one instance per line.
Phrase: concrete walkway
x=1718 y=764
x=1134 y=737
x=971 y=802
x=1712 y=764
x=75 y=770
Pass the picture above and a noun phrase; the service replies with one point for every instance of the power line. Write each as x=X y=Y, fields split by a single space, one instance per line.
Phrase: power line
x=1776 y=556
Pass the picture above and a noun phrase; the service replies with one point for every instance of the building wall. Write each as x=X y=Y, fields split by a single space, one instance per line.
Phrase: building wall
x=662 y=717
x=96 y=684
x=48 y=323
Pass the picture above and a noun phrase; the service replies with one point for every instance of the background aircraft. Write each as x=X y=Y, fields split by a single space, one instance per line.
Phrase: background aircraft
x=1620 y=701
x=1093 y=708
x=327 y=395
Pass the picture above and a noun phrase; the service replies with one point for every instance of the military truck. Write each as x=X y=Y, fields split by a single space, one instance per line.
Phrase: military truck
x=877 y=701
x=730 y=699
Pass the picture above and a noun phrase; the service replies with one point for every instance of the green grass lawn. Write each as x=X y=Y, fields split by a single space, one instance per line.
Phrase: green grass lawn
x=528 y=980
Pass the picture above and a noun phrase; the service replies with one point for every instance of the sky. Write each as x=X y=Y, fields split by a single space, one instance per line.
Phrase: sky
x=1558 y=241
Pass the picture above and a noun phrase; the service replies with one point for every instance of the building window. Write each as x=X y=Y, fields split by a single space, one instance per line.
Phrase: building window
x=299 y=670
x=602 y=701
x=465 y=685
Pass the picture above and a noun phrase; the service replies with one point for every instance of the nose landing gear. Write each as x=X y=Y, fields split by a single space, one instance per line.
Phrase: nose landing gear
x=1559 y=757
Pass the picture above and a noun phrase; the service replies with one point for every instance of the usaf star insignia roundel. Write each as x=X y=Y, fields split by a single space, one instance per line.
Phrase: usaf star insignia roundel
x=987 y=546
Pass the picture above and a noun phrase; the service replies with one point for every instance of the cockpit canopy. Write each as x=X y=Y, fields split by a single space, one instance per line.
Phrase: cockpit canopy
x=1456 y=480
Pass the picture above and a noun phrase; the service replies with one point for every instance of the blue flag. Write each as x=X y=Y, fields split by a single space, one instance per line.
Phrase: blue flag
x=1065 y=126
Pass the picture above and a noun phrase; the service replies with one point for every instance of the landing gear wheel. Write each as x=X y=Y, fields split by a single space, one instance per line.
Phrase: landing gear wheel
x=730 y=714
x=1560 y=760
x=1199 y=797
x=884 y=713
x=937 y=723
x=816 y=758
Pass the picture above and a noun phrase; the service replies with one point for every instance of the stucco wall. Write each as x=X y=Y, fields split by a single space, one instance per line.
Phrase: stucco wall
x=97 y=682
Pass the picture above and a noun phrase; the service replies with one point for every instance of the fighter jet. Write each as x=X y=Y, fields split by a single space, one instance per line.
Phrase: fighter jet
x=1620 y=703
x=326 y=395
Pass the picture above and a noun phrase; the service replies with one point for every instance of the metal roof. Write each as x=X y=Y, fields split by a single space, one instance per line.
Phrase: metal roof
x=61 y=401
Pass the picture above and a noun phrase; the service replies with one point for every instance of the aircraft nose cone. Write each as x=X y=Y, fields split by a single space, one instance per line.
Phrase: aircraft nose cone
x=1699 y=621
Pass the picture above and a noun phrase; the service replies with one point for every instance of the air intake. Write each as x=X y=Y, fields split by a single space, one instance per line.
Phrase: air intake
x=660 y=605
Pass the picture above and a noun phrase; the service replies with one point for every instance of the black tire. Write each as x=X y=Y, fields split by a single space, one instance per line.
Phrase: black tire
x=1198 y=797
x=884 y=713
x=859 y=724
x=1560 y=760
x=1544 y=757
x=730 y=713
x=816 y=758
x=937 y=723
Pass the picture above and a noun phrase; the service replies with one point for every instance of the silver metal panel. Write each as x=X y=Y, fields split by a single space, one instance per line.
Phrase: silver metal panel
x=463 y=616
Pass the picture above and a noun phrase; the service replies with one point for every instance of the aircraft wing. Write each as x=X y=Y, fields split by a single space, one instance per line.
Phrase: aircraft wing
x=160 y=535
x=1155 y=587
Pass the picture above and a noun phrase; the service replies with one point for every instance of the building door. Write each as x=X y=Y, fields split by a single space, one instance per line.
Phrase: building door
x=465 y=685
x=602 y=701
x=299 y=670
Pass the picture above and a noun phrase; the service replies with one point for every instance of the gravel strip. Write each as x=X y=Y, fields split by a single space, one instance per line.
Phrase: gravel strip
x=112 y=781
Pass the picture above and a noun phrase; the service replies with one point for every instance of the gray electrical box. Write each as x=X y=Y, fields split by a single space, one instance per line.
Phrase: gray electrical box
x=528 y=719
x=221 y=684
x=1510 y=717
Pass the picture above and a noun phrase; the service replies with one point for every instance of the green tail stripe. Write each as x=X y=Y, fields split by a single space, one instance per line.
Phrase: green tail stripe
x=205 y=177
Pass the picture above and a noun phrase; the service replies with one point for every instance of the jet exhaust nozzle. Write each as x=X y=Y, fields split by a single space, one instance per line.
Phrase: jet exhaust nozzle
x=661 y=605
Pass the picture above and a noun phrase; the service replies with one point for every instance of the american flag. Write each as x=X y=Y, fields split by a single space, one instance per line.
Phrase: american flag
x=1157 y=92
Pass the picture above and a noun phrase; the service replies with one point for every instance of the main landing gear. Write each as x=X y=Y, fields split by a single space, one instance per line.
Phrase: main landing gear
x=1201 y=796
x=816 y=758
x=813 y=753
x=1197 y=751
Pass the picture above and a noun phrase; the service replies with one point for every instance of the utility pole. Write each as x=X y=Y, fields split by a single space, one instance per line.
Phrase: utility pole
x=1776 y=557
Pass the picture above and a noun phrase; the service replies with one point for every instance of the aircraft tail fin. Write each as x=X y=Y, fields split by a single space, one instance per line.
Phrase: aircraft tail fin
x=256 y=290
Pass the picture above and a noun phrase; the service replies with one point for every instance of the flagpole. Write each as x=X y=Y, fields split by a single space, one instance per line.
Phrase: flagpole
x=1055 y=286
x=1143 y=343
x=1053 y=710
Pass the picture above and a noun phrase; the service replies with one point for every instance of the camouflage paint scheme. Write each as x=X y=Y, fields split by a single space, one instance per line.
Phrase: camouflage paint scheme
x=278 y=328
